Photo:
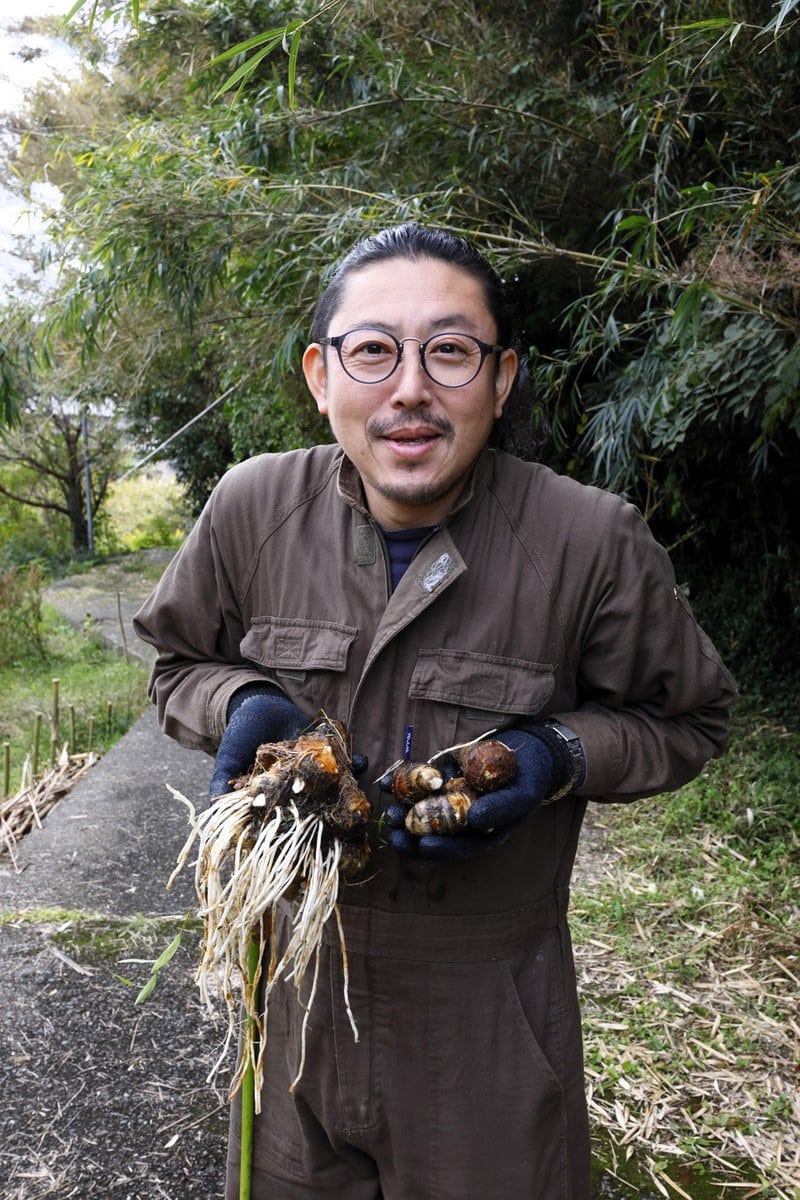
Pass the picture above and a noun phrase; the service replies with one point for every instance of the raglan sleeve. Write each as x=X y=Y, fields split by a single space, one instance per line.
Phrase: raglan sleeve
x=656 y=696
x=193 y=618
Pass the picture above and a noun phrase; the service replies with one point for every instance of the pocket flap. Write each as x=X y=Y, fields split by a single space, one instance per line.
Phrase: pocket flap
x=298 y=645
x=482 y=681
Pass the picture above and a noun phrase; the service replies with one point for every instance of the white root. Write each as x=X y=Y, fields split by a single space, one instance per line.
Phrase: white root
x=462 y=745
x=246 y=862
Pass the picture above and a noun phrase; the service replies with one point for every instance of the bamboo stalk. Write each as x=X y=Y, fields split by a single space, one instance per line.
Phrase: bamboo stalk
x=122 y=627
x=37 y=742
x=54 y=721
x=6 y=769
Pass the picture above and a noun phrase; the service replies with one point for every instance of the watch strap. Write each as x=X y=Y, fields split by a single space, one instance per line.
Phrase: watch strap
x=569 y=760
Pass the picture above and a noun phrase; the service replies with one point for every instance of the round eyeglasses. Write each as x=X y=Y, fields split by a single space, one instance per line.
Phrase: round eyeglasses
x=372 y=355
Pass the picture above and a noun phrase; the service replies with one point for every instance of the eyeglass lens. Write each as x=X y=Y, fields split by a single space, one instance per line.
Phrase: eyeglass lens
x=451 y=359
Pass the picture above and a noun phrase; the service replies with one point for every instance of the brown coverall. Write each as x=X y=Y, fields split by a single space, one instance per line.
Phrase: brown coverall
x=536 y=597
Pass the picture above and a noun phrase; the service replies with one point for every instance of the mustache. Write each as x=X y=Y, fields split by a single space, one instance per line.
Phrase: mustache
x=380 y=428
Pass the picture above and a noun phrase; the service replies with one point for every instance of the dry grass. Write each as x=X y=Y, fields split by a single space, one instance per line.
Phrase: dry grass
x=24 y=810
x=691 y=1025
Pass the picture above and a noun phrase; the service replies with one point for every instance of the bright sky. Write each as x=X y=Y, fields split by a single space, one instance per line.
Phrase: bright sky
x=25 y=59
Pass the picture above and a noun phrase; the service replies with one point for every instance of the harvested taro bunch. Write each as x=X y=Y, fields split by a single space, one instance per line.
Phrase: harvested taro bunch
x=438 y=801
x=294 y=827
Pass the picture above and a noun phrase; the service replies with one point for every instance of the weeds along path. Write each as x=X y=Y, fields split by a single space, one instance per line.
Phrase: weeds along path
x=104 y=599
x=690 y=1021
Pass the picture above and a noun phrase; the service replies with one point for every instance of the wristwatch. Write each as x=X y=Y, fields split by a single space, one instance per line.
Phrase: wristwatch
x=572 y=745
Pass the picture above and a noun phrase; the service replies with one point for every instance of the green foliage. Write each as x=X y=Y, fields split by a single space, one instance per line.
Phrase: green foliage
x=749 y=797
x=146 y=510
x=231 y=213
x=9 y=391
x=631 y=168
x=156 y=531
x=100 y=693
x=26 y=535
x=47 y=452
x=753 y=613
x=20 y=614
x=273 y=423
x=202 y=452
x=678 y=936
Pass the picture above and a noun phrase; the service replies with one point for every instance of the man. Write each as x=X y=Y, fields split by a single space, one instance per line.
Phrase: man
x=425 y=589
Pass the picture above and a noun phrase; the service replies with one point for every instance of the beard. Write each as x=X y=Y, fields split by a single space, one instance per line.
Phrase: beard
x=417 y=495
x=411 y=491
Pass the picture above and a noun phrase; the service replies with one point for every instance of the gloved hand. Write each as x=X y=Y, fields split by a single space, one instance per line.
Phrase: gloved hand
x=541 y=771
x=256 y=713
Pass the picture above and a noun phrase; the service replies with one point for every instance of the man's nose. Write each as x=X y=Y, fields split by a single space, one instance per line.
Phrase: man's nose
x=412 y=384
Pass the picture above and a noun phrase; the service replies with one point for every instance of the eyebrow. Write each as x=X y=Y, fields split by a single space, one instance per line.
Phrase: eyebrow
x=451 y=322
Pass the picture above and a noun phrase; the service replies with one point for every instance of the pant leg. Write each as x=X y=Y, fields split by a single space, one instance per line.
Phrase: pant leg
x=298 y=1153
x=345 y=1174
x=481 y=1083
x=466 y=1082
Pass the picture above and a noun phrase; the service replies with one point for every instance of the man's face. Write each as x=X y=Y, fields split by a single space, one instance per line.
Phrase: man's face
x=412 y=440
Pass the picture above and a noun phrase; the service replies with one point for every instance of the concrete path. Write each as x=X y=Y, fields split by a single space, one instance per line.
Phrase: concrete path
x=101 y=1098
x=111 y=844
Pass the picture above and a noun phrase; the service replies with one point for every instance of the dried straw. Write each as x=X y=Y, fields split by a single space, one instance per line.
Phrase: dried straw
x=27 y=807
x=692 y=1053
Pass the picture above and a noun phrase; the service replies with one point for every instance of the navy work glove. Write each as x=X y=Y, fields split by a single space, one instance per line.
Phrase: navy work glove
x=542 y=769
x=257 y=713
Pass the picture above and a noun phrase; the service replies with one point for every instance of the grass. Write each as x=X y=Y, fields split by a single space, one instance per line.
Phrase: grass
x=99 y=694
x=105 y=936
x=689 y=967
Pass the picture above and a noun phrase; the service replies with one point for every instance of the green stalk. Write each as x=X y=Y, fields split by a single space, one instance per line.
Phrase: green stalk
x=248 y=1096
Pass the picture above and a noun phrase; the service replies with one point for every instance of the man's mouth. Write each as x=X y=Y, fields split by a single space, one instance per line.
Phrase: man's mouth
x=425 y=434
x=411 y=444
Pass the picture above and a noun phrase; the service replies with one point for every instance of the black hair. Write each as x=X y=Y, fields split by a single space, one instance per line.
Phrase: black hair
x=514 y=431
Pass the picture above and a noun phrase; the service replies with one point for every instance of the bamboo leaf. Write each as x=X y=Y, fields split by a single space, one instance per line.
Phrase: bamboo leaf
x=247 y=68
x=779 y=18
x=77 y=6
x=269 y=37
x=293 y=52
x=634 y=221
x=713 y=23
x=162 y=960
x=147 y=990
x=167 y=954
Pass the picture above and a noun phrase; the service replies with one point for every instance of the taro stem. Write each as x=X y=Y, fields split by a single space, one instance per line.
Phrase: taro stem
x=249 y=1086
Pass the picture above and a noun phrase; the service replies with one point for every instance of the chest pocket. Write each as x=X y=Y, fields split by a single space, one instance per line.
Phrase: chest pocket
x=481 y=691
x=307 y=659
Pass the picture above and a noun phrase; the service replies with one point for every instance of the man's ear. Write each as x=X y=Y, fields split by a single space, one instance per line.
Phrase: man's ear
x=316 y=375
x=504 y=379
